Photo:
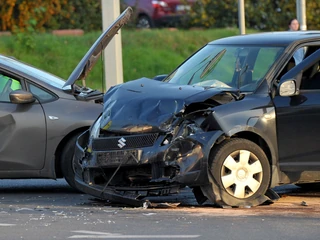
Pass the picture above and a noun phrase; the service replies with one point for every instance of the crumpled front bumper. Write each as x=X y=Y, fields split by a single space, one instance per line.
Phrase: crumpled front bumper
x=127 y=195
x=108 y=194
x=96 y=190
x=191 y=161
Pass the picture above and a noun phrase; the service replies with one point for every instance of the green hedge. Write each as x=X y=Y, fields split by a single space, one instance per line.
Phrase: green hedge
x=86 y=14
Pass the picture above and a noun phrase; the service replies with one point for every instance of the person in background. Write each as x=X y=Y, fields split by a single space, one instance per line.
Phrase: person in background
x=293 y=25
x=299 y=54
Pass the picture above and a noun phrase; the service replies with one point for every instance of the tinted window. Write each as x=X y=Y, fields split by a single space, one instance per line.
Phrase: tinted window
x=265 y=59
x=311 y=77
x=7 y=85
x=42 y=95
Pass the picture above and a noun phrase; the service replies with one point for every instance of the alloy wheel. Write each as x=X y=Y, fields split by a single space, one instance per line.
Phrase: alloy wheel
x=241 y=174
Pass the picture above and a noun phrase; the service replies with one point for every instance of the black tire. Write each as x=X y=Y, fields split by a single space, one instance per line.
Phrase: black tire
x=241 y=182
x=66 y=162
x=144 y=22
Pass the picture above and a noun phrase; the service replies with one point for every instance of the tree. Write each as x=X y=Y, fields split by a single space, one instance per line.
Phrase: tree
x=22 y=14
x=41 y=15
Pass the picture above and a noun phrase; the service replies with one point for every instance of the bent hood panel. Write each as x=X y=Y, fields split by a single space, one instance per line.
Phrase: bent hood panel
x=147 y=105
x=92 y=56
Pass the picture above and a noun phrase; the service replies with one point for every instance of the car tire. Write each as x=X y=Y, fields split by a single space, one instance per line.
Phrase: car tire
x=144 y=22
x=241 y=179
x=66 y=162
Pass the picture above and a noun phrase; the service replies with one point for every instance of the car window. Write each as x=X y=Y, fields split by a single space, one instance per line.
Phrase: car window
x=265 y=59
x=311 y=77
x=42 y=95
x=299 y=55
x=206 y=65
x=226 y=66
x=7 y=85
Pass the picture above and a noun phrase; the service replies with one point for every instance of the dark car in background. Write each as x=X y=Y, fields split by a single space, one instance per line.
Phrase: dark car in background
x=152 y=13
x=237 y=118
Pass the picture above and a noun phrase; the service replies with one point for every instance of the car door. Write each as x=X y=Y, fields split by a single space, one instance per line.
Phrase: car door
x=298 y=119
x=22 y=131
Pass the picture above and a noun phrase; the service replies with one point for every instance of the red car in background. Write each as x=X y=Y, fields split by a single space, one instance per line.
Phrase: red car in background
x=151 y=13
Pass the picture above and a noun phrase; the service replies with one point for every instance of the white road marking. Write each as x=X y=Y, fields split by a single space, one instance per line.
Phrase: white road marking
x=135 y=236
x=96 y=235
x=6 y=225
x=94 y=232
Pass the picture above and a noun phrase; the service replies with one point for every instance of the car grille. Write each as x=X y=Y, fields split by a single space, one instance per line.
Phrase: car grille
x=116 y=157
x=124 y=142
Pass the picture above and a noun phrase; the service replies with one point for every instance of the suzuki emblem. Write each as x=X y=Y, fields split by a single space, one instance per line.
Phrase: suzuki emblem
x=122 y=142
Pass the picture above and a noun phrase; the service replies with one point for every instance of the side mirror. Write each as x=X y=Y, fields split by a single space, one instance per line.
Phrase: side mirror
x=160 y=77
x=21 y=97
x=288 y=88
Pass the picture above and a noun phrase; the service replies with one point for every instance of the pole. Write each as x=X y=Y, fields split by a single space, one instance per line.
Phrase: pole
x=241 y=17
x=113 y=70
x=301 y=14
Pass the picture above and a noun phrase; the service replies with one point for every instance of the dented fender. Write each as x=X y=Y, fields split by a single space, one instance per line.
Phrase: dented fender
x=194 y=164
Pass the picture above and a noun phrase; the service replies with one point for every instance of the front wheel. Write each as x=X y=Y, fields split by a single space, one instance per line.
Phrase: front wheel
x=66 y=162
x=241 y=170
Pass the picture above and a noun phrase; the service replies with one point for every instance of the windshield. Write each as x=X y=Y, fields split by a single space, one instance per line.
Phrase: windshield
x=226 y=66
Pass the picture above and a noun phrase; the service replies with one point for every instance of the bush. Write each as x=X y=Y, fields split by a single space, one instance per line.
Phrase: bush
x=41 y=15
x=21 y=14
x=268 y=15
x=75 y=14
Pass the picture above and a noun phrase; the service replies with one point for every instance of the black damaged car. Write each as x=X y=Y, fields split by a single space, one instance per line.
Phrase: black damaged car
x=236 y=119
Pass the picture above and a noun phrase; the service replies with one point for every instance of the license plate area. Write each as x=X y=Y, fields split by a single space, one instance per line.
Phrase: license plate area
x=113 y=158
x=183 y=8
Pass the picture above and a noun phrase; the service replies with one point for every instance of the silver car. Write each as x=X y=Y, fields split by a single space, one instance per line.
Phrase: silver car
x=41 y=116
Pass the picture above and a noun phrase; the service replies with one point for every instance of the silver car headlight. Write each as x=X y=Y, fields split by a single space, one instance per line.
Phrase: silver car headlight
x=95 y=129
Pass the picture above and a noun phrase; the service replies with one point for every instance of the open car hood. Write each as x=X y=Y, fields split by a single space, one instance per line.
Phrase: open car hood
x=92 y=56
x=146 y=105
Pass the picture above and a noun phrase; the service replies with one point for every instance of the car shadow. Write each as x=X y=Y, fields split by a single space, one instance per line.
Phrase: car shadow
x=35 y=186
x=58 y=192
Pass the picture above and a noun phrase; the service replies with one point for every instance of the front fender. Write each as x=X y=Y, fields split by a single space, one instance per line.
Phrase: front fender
x=194 y=163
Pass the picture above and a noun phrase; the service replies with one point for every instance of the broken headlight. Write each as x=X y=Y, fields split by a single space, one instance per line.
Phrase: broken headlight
x=95 y=129
x=191 y=129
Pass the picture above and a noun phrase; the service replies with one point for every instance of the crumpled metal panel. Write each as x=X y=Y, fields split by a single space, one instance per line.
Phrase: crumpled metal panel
x=151 y=106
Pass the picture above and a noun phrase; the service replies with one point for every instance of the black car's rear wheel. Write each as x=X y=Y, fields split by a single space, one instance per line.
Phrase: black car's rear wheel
x=241 y=169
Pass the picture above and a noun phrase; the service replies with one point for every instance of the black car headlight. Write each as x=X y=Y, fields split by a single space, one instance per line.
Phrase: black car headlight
x=95 y=129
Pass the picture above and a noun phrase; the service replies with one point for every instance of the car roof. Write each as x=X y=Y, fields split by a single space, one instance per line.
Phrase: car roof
x=25 y=69
x=284 y=38
x=15 y=66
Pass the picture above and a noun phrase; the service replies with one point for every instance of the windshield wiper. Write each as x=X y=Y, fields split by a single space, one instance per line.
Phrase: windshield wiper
x=192 y=77
x=209 y=66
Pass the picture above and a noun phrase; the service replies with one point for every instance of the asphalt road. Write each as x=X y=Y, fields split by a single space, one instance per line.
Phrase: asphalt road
x=47 y=209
